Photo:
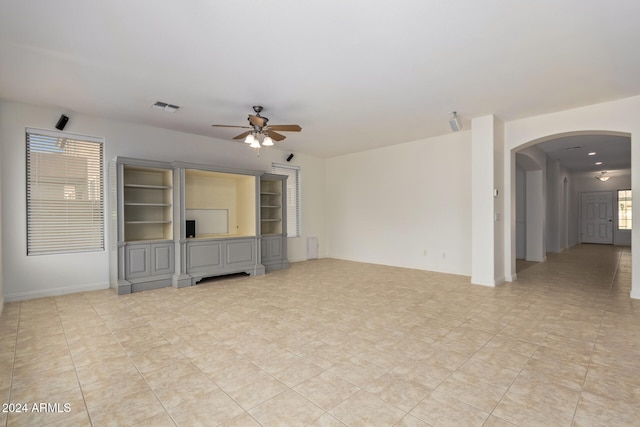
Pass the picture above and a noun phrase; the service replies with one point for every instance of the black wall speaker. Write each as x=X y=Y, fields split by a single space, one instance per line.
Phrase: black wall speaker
x=289 y=157
x=191 y=228
x=62 y=122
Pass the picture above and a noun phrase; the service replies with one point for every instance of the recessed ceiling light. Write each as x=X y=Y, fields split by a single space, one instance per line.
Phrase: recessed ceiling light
x=593 y=153
x=598 y=163
x=169 y=108
x=577 y=147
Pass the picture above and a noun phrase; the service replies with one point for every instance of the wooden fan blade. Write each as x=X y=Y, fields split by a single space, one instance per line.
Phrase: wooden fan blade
x=243 y=135
x=230 y=126
x=256 y=121
x=286 y=128
x=275 y=136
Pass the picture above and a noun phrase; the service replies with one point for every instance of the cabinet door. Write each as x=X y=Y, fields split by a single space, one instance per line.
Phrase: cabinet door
x=162 y=258
x=137 y=261
x=275 y=248
x=271 y=248
x=264 y=249
x=204 y=256
x=241 y=252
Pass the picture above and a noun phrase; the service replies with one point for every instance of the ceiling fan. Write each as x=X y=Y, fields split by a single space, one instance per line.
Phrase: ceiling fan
x=259 y=128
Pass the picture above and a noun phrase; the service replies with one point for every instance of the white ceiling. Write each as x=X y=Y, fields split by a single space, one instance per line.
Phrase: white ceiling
x=354 y=74
x=612 y=152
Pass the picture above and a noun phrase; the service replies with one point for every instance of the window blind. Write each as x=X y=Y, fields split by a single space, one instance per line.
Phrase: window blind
x=293 y=196
x=65 y=206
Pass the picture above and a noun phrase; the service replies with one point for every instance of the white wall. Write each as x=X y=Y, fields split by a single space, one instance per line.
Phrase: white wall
x=390 y=205
x=615 y=117
x=35 y=276
x=521 y=212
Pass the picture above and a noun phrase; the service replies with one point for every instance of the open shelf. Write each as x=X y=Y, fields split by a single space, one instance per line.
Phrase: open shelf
x=147 y=203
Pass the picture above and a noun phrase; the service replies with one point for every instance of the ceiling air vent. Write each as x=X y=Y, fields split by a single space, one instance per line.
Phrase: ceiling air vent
x=169 y=108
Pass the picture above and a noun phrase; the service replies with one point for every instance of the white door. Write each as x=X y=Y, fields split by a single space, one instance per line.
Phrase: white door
x=597 y=217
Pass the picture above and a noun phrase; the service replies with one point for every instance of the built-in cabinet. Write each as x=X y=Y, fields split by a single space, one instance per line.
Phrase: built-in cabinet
x=273 y=221
x=142 y=225
x=236 y=221
x=222 y=207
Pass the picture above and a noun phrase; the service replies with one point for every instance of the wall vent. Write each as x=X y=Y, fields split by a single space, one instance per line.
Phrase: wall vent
x=169 y=108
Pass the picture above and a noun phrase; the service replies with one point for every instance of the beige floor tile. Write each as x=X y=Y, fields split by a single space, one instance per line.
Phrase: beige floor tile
x=601 y=411
x=125 y=409
x=524 y=411
x=95 y=393
x=494 y=421
x=42 y=386
x=411 y=421
x=490 y=372
x=365 y=409
x=77 y=419
x=65 y=408
x=358 y=371
x=286 y=409
x=439 y=409
x=114 y=369
x=428 y=373
x=342 y=335
x=472 y=391
x=242 y=420
x=566 y=374
x=326 y=390
x=553 y=394
x=326 y=420
x=259 y=388
x=397 y=390
x=612 y=384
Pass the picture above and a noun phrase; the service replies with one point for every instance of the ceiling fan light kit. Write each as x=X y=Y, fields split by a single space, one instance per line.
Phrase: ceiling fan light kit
x=259 y=128
x=602 y=177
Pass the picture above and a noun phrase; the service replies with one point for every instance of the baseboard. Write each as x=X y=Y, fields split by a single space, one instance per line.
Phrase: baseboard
x=21 y=296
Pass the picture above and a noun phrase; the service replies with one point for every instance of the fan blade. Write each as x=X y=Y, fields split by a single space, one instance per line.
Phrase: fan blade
x=229 y=126
x=286 y=128
x=275 y=136
x=243 y=135
x=256 y=121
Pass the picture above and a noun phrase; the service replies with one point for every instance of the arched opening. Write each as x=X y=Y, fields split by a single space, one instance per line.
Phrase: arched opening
x=562 y=185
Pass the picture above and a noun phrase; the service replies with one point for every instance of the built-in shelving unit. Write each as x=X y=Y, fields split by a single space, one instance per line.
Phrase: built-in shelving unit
x=147 y=194
x=270 y=206
x=273 y=225
x=239 y=219
x=143 y=255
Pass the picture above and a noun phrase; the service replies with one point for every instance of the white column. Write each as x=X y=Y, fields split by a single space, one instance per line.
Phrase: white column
x=487 y=201
x=535 y=216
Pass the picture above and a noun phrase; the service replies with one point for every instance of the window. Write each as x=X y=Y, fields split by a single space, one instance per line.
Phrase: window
x=65 y=206
x=624 y=209
x=293 y=196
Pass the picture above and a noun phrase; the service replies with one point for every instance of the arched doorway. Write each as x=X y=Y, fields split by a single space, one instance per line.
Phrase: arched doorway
x=560 y=196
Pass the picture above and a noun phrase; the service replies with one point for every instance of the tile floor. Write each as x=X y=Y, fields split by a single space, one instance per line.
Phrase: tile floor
x=334 y=343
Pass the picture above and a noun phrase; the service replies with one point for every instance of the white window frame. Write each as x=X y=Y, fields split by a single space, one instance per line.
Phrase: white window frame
x=294 y=204
x=624 y=206
x=64 y=192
